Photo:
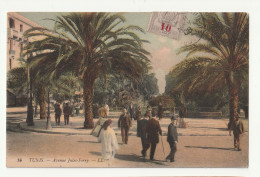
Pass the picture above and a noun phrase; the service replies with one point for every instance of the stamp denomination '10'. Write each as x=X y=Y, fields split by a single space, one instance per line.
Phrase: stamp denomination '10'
x=168 y=24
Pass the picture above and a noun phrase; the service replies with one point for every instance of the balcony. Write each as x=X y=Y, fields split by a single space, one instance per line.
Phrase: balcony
x=12 y=52
x=20 y=36
x=12 y=33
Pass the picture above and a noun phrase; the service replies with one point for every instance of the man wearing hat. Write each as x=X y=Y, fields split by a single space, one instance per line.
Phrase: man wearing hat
x=141 y=132
x=57 y=113
x=238 y=129
x=172 y=137
x=124 y=123
x=148 y=112
x=153 y=129
x=67 y=112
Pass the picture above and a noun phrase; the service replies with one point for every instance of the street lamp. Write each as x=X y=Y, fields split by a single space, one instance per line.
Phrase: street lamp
x=29 y=119
x=48 y=125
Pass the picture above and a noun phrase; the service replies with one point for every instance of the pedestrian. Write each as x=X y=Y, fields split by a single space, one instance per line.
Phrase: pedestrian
x=148 y=112
x=77 y=108
x=153 y=129
x=138 y=114
x=95 y=110
x=238 y=129
x=141 y=132
x=124 y=123
x=182 y=111
x=67 y=112
x=72 y=107
x=57 y=110
x=98 y=126
x=106 y=107
x=131 y=111
x=172 y=137
x=108 y=140
x=160 y=111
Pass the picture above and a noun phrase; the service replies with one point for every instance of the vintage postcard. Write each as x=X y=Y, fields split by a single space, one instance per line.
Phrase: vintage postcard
x=133 y=89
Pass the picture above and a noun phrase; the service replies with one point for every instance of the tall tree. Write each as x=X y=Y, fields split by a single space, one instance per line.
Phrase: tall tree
x=89 y=44
x=219 y=59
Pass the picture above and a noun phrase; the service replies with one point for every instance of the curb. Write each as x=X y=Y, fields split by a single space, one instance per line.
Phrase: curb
x=130 y=134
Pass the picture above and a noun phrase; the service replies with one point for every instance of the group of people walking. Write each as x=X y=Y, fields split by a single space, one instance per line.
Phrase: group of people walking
x=136 y=113
x=67 y=111
x=148 y=129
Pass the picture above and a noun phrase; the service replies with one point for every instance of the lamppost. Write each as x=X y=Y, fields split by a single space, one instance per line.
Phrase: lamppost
x=29 y=119
x=48 y=124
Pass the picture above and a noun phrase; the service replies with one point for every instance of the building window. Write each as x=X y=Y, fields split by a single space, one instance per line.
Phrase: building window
x=10 y=63
x=11 y=44
x=21 y=28
x=11 y=23
x=21 y=50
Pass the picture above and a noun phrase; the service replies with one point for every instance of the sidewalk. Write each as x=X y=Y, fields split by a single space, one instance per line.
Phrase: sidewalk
x=197 y=126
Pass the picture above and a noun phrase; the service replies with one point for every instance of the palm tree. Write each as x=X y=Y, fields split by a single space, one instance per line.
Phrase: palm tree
x=17 y=80
x=219 y=59
x=90 y=45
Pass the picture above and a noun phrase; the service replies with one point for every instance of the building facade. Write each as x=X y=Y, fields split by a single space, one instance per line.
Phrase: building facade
x=17 y=25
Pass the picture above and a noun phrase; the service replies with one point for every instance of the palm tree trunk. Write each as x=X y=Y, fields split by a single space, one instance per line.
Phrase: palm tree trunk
x=233 y=98
x=42 y=102
x=88 y=90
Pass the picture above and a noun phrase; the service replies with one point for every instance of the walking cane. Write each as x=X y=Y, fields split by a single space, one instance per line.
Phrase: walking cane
x=162 y=146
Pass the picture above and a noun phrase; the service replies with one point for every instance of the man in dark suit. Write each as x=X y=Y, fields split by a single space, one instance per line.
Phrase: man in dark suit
x=138 y=114
x=124 y=123
x=131 y=111
x=67 y=112
x=160 y=111
x=153 y=129
x=238 y=129
x=172 y=137
x=57 y=113
x=141 y=132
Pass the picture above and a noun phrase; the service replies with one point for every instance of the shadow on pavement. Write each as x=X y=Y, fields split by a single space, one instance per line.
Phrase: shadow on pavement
x=88 y=142
x=96 y=153
x=209 y=148
x=16 y=112
x=136 y=158
x=80 y=128
x=223 y=129
x=15 y=117
x=133 y=158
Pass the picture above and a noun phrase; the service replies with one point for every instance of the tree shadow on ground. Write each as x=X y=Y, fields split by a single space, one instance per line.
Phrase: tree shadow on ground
x=21 y=112
x=222 y=129
x=88 y=142
x=80 y=128
x=217 y=148
x=15 y=117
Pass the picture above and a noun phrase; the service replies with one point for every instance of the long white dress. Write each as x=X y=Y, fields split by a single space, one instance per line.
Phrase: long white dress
x=109 y=143
x=106 y=109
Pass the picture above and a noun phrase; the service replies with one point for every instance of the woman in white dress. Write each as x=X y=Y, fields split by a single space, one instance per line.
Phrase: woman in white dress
x=108 y=140
x=106 y=109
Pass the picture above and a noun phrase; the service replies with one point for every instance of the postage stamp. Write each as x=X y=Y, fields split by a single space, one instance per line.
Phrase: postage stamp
x=168 y=24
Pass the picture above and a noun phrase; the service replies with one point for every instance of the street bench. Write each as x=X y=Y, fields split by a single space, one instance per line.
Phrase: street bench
x=210 y=114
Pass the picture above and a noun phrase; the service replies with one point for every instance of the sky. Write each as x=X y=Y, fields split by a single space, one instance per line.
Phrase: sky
x=163 y=49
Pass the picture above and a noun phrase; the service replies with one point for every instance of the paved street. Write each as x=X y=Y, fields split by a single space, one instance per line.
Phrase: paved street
x=33 y=149
x=193 y=151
